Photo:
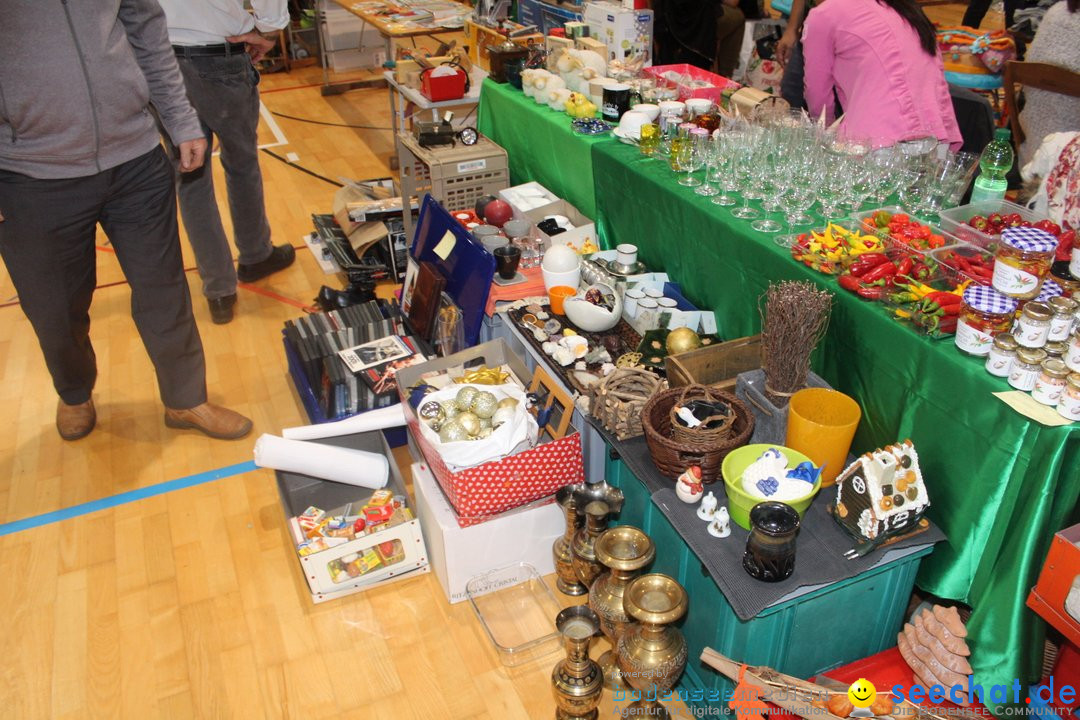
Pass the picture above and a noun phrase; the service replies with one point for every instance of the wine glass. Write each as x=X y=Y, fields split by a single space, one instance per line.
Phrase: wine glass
x=713 y=159
x=766 y=172
x=689 y=158
x=743 y=170
x=725 y=148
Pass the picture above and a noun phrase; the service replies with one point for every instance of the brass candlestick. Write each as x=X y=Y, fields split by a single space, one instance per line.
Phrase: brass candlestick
x=586 y=566
x=561 y=550
x=625 y=550
x=652 y=654
x=576 y=680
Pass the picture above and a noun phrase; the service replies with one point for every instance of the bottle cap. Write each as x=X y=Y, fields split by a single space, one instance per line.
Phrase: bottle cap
x=1002 y=133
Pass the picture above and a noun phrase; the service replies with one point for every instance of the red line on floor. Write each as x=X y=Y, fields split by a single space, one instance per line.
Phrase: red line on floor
x=99 y=287
x=102 y=248
x=274 y=296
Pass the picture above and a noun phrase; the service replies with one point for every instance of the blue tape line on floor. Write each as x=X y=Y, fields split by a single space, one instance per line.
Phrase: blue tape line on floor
x=126 y=497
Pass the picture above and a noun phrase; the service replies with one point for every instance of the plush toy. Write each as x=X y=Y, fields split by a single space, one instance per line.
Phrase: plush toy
x=579 y=106
x=578 y=67
x=544 y=84
x=529 y=78
x=557 y=98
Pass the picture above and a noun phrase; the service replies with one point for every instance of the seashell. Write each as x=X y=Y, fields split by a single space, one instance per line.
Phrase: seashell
x=563 y=356
x=549 y=348
x=540 y=335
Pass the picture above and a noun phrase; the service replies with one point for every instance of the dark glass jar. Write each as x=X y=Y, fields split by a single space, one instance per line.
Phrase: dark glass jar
x=770 y=549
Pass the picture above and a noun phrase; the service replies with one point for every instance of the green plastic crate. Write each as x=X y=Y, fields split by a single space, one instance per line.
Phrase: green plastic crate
x=800 y=637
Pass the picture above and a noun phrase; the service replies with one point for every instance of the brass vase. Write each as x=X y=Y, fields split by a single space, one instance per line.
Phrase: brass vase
x=561 y=550
x=586 y=566
x=624 y=550
x=576 y=679
x=652 y=654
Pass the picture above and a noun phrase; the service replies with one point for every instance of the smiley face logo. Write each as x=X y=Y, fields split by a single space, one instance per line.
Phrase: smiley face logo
x=862 y=694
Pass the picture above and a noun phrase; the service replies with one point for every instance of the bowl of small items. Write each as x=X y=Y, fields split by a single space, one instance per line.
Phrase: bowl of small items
x=589 y=126
x=595 y=309
x=762 y=472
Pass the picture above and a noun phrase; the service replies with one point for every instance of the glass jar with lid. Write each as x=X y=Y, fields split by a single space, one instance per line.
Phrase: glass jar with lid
x=1022 y=260
x=1056 y=348
x=984 y=314
x=1001 y=355
x=1033 y=326
x=1061 y=324
x=1072 y=357
x=1051 y=382
x=1069 y=405
x=1026 y=368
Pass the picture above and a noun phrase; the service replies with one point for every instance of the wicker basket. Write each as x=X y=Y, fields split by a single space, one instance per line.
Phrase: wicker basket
x=672 y=457
x=715 y=365
x=620 y=397
x=700 y=437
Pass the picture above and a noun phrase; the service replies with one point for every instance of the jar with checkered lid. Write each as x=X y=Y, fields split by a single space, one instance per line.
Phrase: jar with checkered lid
x=1022 y=260
x=984 y=314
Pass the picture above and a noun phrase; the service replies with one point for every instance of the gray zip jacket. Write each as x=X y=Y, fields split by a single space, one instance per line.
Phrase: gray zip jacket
x=76 y=81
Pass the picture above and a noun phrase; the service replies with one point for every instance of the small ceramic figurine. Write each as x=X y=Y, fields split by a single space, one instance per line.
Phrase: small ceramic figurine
x=688 y=487
x=721 y=525
x=708 y=507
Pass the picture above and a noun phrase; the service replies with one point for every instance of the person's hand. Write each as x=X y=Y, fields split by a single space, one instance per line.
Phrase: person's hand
x=192 y=154
x=786 y=44
x=255 y=44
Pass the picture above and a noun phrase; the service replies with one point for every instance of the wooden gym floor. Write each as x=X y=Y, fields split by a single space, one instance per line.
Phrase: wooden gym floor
x=184 y=600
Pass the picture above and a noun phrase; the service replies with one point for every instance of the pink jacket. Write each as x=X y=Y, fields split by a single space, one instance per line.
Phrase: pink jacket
x=889 y=88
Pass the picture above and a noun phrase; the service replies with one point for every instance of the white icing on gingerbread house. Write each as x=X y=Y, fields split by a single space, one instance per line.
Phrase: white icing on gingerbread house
x=882 y=493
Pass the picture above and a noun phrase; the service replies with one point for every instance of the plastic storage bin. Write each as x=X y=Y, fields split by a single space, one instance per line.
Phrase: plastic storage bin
x=955 y=220
x=517 y=610
x=455 y=175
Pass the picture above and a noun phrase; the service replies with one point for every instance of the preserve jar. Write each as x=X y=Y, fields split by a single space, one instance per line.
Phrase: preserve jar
x=1022 y=260
x=1049 y=289
x=1051 y=382
x=1069 y=405
x=984 y=314
x=1033 y=325
x=1026 y=368
x=1061 y=324
x=1056 y=348
x=1001 y=355
x=1072 y=357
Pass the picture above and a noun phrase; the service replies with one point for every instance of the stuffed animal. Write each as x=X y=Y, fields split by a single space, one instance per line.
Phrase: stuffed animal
x=578 y=67
x=557 y=98
x=544 y=84
x=579 y=106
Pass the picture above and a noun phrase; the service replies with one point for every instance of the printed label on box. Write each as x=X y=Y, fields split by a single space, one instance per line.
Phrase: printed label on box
x=472 y=165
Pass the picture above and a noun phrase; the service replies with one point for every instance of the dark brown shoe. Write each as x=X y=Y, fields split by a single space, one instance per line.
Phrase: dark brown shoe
x=75 y=421
x=221 y=309
x=280 y=257
x=213 y=420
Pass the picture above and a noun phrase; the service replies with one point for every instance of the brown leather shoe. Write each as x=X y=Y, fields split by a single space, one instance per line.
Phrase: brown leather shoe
x=75 y=421
x=213 y=420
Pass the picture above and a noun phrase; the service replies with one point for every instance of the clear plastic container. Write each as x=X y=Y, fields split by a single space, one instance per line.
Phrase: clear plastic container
x=954 y=221
x=517 y=610
x=956 y=263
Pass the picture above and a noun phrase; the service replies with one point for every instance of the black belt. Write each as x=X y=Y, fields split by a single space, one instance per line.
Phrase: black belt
x=222 y=50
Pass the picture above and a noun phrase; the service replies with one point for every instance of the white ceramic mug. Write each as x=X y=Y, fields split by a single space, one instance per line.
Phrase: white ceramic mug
x=626 y=254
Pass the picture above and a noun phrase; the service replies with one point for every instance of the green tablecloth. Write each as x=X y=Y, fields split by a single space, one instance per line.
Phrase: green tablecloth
x=1000 y=486
x=539 y=143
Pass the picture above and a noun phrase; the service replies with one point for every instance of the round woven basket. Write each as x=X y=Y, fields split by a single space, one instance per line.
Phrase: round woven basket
x=672 y=457
x=700 y=437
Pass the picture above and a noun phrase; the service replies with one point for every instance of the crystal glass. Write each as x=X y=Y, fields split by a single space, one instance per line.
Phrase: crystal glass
x=711 y=151
x=725 y=148
x=689 y=159
x=743 y=169
x=649 y=141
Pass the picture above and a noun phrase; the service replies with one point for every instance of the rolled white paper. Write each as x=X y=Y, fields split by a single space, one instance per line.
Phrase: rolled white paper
x=364 y=422
x=343 y=465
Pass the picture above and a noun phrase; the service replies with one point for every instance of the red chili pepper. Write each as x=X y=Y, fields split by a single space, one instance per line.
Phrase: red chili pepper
x=948 y=324
x=942 y=297
x=878 y=272
x=871 y=292
x=849 y=282
x=904 y=266
x=952 y=310
x=864 y=262
x=921 y=271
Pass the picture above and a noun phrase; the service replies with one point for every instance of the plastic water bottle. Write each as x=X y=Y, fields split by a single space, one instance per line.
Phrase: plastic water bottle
x=994 y=164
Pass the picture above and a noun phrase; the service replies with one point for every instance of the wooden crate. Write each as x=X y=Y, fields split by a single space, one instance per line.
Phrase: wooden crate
x=715 y=365
x=480 y=36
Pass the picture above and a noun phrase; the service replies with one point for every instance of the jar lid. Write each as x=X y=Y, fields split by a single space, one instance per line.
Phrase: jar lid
x=1048 y=289
x=1005 y=341
x=1055 y=348
x=1055 y=368
x=1037 y=310
x=1073 y=381
x=988 y=300
x=1061 y=305
x=1031 y=356
x=1029 y=239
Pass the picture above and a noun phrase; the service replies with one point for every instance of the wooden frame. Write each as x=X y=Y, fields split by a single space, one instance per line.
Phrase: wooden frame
x=1043 y=76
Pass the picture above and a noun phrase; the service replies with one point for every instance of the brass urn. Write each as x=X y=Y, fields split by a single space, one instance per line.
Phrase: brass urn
x=576 y=679
x=586 y=566
x=652 y=653
x=561 y=550
x=624 y=550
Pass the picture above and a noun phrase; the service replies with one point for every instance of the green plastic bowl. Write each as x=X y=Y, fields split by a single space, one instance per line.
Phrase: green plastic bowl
x=740 y=502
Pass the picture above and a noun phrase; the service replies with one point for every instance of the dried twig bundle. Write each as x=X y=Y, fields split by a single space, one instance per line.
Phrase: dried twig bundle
x=794 y=317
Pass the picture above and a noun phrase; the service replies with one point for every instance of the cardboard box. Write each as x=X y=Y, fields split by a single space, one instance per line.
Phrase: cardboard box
x=626 y=33
x=494 y=487
x=458 y=554
x=584 y=228
x=299 y=492
x=527 y=196
x=591 y=43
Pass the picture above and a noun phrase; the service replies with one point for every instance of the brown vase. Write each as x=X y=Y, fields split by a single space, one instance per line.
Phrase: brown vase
x=624 y=550
x=652 y=654
x=586 y=566
x=561 y=551
x=576 y=679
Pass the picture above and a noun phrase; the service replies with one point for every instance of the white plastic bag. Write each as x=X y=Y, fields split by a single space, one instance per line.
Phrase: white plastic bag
x=511 y=437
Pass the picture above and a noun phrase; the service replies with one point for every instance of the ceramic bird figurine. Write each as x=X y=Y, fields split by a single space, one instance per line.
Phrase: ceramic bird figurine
x=689 y=487
x=721 y=525
x=708 y=508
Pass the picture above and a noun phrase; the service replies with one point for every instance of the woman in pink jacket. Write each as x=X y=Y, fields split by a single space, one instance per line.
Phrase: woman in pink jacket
x=880 y=57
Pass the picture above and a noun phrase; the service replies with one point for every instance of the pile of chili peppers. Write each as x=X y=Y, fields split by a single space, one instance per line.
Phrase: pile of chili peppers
x=828 y=251
x=904 y=229
x=972 y=262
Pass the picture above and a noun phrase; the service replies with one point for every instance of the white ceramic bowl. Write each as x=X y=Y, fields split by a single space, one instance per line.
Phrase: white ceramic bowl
x=570 y=278
x=672 y=106
x=630 y=123
x=589 y=317
x=699 y=105
x=653 y=111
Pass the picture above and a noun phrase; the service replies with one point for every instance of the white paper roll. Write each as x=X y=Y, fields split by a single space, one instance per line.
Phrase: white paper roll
x=344 y=465
x=364 y=422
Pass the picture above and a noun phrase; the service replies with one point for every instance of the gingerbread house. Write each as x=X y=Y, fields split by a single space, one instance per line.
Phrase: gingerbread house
x=882 y=493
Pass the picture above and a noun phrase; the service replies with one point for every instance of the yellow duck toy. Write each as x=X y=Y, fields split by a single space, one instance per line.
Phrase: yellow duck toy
x=579 y=106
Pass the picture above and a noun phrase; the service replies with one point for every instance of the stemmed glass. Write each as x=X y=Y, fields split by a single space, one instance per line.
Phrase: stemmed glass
x=713 y=160
x=689 y=158
x=725 y=148
x=766 y=170
x=743 y=169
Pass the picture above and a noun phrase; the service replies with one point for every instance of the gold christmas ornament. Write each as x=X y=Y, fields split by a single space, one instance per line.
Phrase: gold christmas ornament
x=682 y=339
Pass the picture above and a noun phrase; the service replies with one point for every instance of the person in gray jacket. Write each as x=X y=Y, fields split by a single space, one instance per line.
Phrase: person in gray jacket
x=78 y=147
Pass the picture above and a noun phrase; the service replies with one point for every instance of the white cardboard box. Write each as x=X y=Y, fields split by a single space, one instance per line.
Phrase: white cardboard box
x=627 y=33
x=584 y=228
x=526 y=197
x=458 y=554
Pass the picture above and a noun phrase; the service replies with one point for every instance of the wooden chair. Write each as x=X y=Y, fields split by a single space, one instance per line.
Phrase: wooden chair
x=1035 y=75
